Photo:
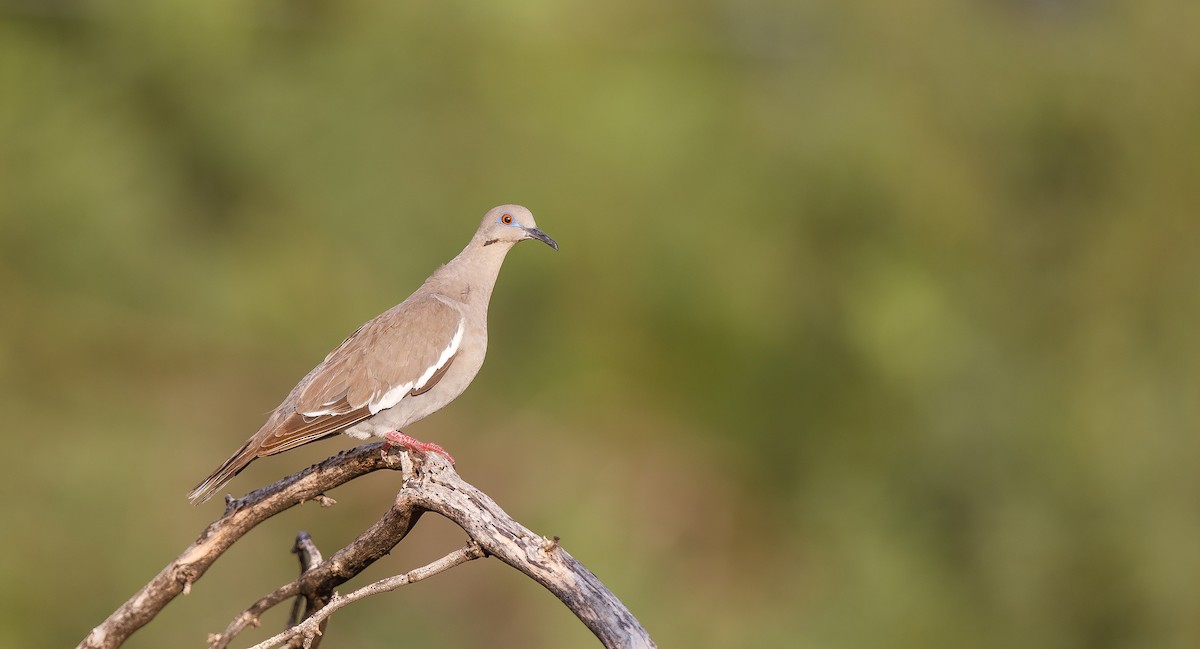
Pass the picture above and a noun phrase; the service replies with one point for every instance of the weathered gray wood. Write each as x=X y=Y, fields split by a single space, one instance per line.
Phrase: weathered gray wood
x=438 y=488
x=240 y=517
x=430 y=485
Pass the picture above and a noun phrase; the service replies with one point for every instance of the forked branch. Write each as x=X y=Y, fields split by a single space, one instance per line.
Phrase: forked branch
x=432 y=485
x=310 y=630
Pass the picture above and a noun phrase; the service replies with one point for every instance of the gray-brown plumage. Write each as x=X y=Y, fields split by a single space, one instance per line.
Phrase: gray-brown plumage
x=402 y=366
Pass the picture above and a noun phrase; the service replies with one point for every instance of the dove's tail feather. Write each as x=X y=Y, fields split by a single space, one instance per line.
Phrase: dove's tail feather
x=234 y=465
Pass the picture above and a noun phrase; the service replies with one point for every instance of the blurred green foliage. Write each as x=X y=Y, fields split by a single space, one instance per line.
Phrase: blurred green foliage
x=874 y=324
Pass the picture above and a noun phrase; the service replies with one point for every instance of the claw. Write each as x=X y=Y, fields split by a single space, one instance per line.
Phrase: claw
x=400 y=439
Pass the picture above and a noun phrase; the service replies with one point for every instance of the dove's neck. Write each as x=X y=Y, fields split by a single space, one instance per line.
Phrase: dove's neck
x=470 y=277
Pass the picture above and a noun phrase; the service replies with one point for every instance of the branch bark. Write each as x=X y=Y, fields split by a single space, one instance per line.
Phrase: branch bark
x=240 y=516
x=310 y=631
x=431 y=485
x=308 y=605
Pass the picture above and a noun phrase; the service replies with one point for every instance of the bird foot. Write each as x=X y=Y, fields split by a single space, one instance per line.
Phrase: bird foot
x=400 y=439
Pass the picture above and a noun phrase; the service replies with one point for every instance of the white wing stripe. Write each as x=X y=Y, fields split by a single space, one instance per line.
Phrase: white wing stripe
x=393 y=396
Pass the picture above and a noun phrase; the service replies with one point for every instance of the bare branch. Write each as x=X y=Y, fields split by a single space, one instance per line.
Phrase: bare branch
x=438 y=488
x=320 y=580
x=312 y=628
x=306 y=549
x=240 y=517
x=432 y=485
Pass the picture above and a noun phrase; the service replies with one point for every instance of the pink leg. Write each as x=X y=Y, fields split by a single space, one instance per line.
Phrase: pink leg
x=400 y=439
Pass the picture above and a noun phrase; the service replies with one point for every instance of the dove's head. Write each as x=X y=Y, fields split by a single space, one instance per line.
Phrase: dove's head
x=509 y=224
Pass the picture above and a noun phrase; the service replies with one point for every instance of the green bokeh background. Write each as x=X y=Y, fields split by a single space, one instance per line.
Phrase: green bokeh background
x=874 y=323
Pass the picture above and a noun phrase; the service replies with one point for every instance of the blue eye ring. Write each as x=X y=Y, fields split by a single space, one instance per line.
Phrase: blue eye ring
x=506 y=219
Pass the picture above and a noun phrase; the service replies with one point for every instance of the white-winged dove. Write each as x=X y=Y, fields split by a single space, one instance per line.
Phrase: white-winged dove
x=403 y=365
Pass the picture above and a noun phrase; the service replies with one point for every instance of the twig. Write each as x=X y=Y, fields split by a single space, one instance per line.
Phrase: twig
x=312 y=628
x=309 y=556
x=306 y=549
